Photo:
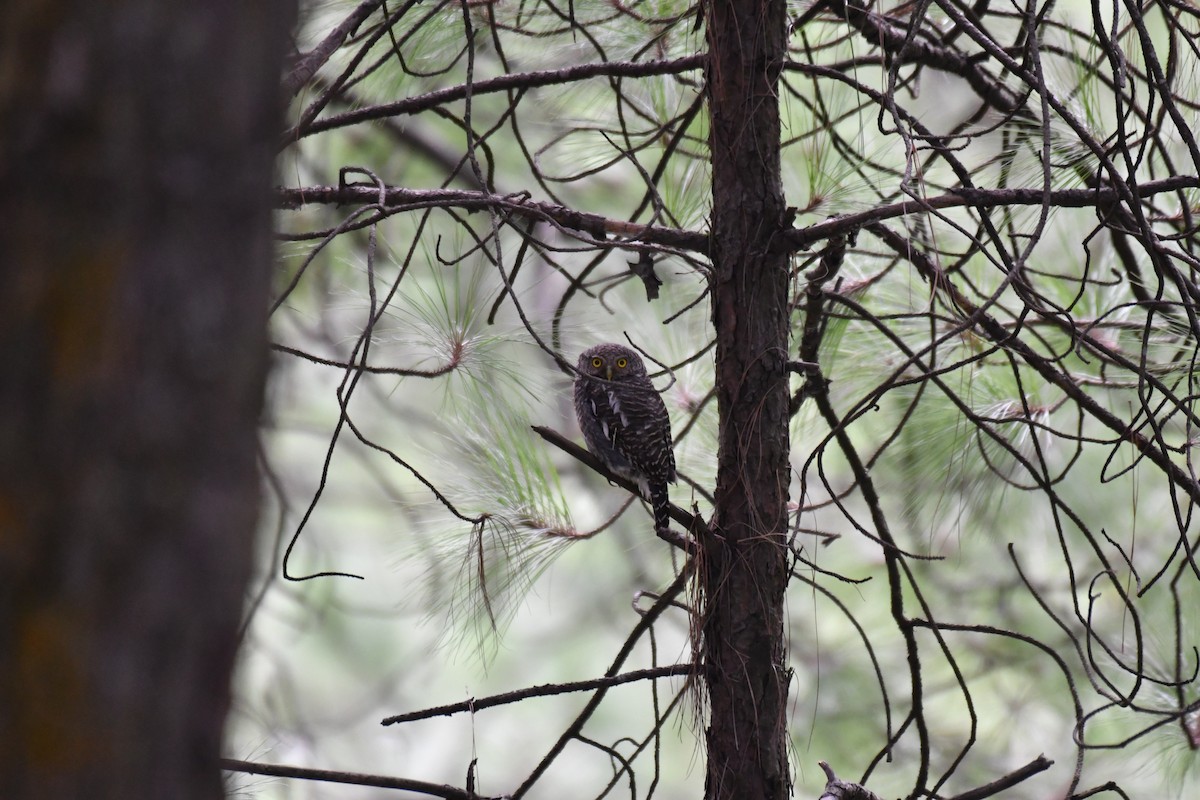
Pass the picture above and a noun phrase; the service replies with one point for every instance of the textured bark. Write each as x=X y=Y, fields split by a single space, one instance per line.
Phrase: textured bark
x=136 y=155
x=745 y=563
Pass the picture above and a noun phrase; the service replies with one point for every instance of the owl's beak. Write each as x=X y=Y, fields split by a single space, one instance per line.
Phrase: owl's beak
x=608 y=373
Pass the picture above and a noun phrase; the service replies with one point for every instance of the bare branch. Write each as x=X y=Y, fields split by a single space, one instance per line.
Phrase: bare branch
x=544 y=690
x=352 y=779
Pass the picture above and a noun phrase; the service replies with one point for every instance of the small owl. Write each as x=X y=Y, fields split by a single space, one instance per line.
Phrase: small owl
x=625 y=422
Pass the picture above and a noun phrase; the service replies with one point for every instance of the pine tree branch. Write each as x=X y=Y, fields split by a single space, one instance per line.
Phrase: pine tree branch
x=991 y=329
x=897 y=40
x=544 y=690
x=306 y=66
x=1039 y=764
x=597 y=228
x=502 y=83
x=351 y=779
x=690 y=522
x=665 y=601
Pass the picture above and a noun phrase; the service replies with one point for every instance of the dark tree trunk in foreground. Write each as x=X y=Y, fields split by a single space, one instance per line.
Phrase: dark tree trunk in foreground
x=136 y=153
x=746 y=569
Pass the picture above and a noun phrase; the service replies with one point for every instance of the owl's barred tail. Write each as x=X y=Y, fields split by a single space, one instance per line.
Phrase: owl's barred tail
x=660 y=500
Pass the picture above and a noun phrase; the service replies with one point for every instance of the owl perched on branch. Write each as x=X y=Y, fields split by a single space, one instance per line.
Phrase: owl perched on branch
x=625 y=422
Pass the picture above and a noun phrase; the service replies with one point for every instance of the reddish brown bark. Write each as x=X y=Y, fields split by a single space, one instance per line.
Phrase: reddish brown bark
x=136 y=157
x=745 y=564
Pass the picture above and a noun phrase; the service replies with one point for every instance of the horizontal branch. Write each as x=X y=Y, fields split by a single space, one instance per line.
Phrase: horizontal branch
x=803 y=238
x=545 y=690
x=502 y=83
x=351 y=778
x=597 y=228
x=370 y=369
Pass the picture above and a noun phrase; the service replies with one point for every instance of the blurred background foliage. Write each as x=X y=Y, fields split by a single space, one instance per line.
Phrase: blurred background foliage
x=446 y=610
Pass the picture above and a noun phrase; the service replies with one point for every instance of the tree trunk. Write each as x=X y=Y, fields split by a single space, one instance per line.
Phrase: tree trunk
x=137 y=145
x=745 y=564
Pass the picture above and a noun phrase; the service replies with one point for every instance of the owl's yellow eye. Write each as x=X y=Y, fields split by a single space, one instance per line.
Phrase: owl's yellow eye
x=598 y=362
x=622 y=362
